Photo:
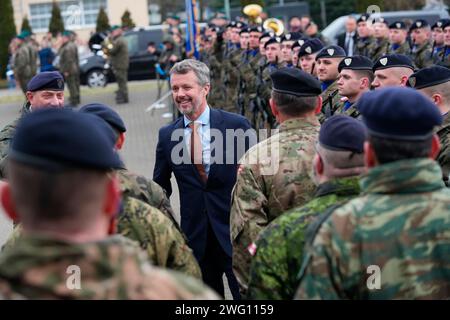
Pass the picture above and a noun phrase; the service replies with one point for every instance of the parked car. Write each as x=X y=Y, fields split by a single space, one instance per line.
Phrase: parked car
x=95 y=70
x=337 y=27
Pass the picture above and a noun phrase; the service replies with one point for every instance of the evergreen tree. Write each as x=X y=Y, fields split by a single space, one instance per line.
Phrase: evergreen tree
x=127 y=22
x=56 y=22
x=102 y=21
x=7 y=32
x=26 y=25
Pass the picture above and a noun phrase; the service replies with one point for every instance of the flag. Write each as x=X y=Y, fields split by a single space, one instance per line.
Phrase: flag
x=191 y=29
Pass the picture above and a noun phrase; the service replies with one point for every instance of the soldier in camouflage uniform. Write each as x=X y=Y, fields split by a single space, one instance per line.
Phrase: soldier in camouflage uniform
x=327 y=61
x=287 y=41
x=381 y=35
x=398 y=43
x=392 y=70
x=46 y=89
x=66 y=234
x=33 y=51
x=69 y=67
x=118 y=55
x=355 y=77
x=307 y=56
x=421 y=53
x=365 y=40
x=275 y=175
x=22 y=63
x=434 y=82
x=389 y=242
x=295 y=50
x=443 y=57
x=437 y=35
x=338 y=161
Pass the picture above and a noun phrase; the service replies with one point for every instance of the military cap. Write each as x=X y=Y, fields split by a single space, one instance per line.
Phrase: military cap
x=115 y=27
x=66 y=33
x=343 y=133
x=399 y=25
x=381 y=20
x=428 y=77
x=295 y=82
x=363 y=18
x=21 y=36
x=267 y=35
x=419 y=23
x=310 y=46
x=440 y=23
x=54 y=140
x=331 y=52
x=393 y=60
x=48 y=80
x=107 y=114
x=26 y=33
x=293 y=36
x=356 y=62
x=446 y=24
x=256 y=29
x=399 y=113
x=299 y=43
x=240 y=25
x=175 y=17
x=232 y=24
x=272 y=40
x=244 y=30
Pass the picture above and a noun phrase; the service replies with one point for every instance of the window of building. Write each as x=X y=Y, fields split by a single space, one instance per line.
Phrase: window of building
x=75 y=13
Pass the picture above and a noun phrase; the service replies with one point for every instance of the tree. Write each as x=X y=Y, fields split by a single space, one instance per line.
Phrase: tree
x=127 y=22
x=56 y=22
x=7 y=33
x=102 y=21
x=26 y=25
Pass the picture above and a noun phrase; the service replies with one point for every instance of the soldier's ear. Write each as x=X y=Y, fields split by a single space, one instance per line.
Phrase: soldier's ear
x=273 y=107
x=7 y=202
x=120 y=141
x=318 y=164
x=403 y=81
x=318 y=105
x=370 y=159
x=435 y=147
x=113 y=197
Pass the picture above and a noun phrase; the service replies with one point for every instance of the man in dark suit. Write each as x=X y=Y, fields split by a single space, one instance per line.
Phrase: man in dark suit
x=348 y=39
x=200 y=149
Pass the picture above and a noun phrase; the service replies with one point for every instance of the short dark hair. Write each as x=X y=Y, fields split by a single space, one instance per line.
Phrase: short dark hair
x=151 y=43
x=294 y=106
x=390 y=150
x=365 y=74
x=44 y=197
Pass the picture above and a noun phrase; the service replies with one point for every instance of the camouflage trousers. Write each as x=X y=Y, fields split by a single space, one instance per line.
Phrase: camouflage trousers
x=122 y=82
x=73 y=84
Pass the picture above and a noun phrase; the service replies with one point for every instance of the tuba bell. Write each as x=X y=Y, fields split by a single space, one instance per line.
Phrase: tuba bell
x=252 y=11
x=274 y=25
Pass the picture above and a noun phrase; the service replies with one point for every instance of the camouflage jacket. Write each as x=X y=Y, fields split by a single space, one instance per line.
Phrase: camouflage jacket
x=22 y=62
x=113 y=268
x=444 y=154
x=118 y=54
x=378 y=49
x=279 y=252
x=404 y=49
x=442 y=58
x=34 y=55
x=364 y=46
x=230 y=76
x=210 y=58
x=148 y=191
x=352 y=111
x=6 y=136
x=158 y=235
x=68 y=55
x=390 y=243
x=421 y=56
x=331 y=101
x=274 y=176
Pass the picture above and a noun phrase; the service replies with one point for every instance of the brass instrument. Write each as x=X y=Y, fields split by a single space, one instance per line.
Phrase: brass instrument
x=107 y=45
x=252 y=11
x=275 y=25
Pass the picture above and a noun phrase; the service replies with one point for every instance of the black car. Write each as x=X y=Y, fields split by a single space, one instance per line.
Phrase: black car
x=95 y=70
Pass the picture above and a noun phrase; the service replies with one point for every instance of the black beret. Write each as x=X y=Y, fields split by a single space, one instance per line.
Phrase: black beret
x=428 y=77
x=399 y=113
x=356 y=62
x=363 y=18
x=232 y=24
x=393 y=60
x=48 y=80
x=244 y=30
x=331 y=52
x=107 y=114
x=400 y=25
x=58 y=139
x=446 y=24
x=310 y=46
x=272 y=40
x=296 y=82
x=256 y=29
x=267 y=35
x=299 y=43
x=419 y=23
x=440 y=23
x=240 y=25
x=293 y=36
x=381 y=20
x=343 y=133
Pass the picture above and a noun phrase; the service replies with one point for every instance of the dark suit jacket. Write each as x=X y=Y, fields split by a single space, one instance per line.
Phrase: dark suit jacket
x=199 y=202
x=341 y=41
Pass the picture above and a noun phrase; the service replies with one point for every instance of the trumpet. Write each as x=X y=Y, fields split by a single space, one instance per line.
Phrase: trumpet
x=274 y=25
x=253 y=11
x=107 y=45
